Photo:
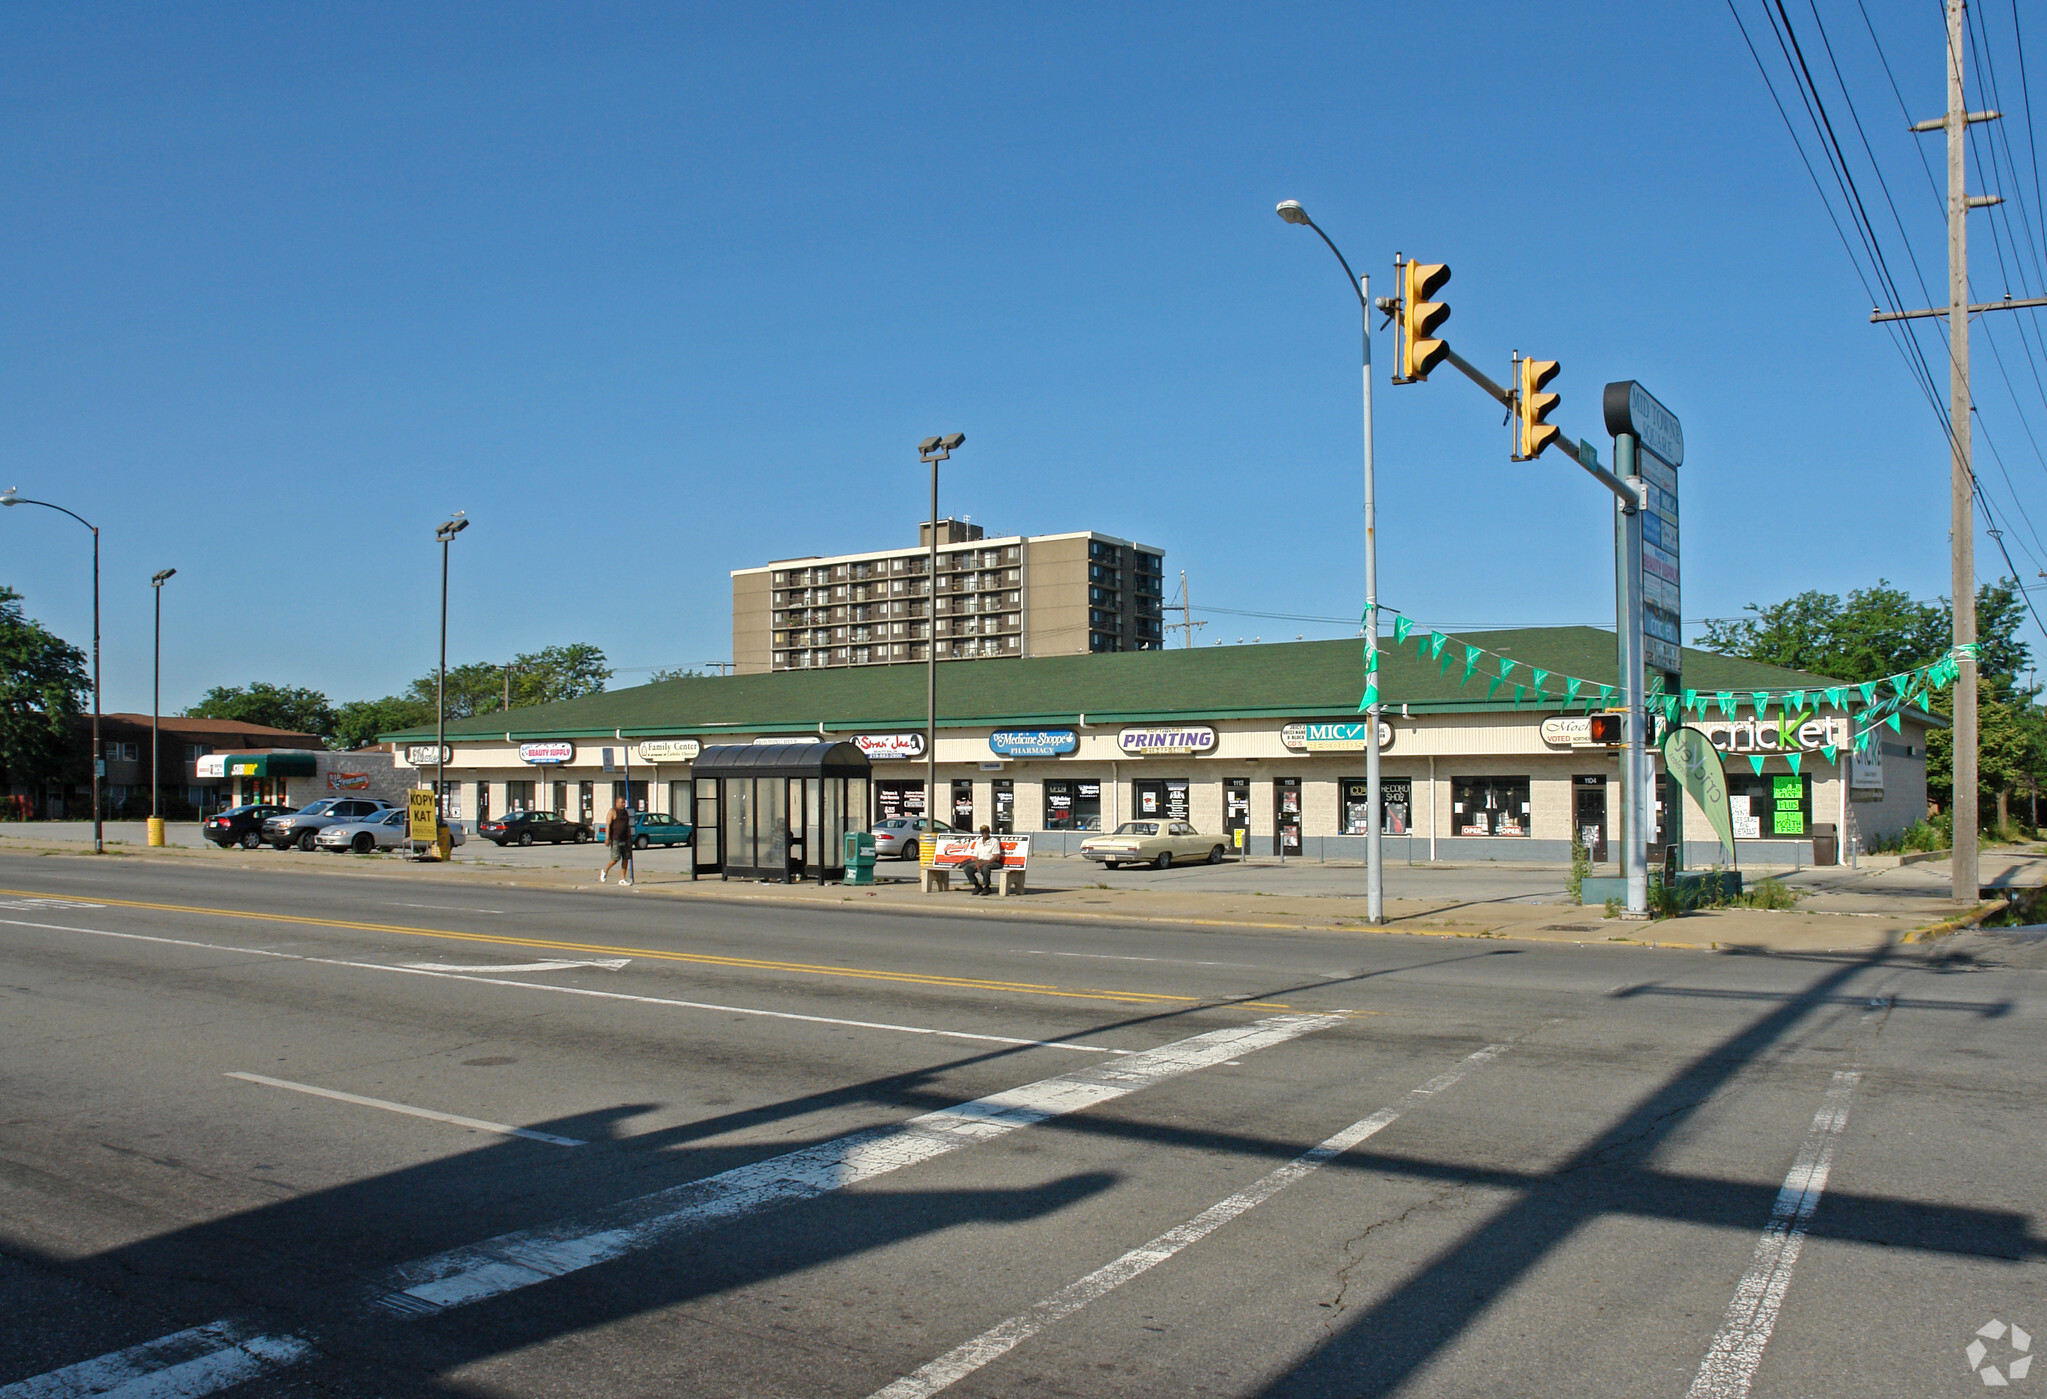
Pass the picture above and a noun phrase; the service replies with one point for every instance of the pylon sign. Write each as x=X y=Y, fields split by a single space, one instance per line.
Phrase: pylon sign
x=1660 y=449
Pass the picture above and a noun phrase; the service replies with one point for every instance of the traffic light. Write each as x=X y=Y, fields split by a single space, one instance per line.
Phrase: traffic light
x=1420 y=351
x=1531 y=406
x=1608 y=730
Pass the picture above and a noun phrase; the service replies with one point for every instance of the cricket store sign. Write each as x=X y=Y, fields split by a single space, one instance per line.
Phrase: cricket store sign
x=670 y=750
x=883 y=747
x=547 y=754
x=1033 y=743
x=1795 y=733
x=1334 y=738
x=1155 y=741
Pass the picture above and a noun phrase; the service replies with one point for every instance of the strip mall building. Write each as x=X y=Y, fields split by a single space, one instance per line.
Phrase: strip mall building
x=1262 y=745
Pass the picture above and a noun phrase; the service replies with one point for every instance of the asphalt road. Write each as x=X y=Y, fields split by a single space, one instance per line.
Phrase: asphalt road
x=587 y=1144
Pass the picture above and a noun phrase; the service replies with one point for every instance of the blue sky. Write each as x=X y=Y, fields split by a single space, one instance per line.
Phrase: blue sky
x=658 y=292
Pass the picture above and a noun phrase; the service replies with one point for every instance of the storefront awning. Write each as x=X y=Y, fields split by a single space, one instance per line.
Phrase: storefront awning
x=271 y=765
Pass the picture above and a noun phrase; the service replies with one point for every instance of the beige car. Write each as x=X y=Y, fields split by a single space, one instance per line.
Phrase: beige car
x=1154 y=843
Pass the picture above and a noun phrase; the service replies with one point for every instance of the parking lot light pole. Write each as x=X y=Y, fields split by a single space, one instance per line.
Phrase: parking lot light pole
x=9 y=497
x=446 y=535
x=1375 y=869
x=933 y=450
x=156 y=583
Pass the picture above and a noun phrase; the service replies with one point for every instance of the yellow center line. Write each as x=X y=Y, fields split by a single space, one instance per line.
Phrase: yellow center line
x=697 y=958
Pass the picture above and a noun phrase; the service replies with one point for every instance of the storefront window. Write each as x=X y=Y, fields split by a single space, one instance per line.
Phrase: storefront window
x=1073 y=804
x=893 y=797
x=1396 y=806
x=1776 y=805
x=1166 y=797
x=1489 y=806
x=518 y=796
x=1005 y=805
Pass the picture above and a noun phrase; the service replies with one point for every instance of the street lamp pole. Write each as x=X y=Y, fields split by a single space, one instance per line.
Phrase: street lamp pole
x=933 y=450
x=1375 y=869
x=446 y=535
x=156 y=583
x=99 y=844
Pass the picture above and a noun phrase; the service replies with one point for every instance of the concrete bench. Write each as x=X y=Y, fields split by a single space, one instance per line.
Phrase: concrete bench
x=941 y=858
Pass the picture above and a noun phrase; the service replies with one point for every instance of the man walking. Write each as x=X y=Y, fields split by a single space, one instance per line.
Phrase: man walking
x=618 y=834
x=987 y=856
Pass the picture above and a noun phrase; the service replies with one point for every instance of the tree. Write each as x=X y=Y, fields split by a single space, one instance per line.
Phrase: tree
x=1881 y=631
x=42 y=684
x=558 y=673
x=675 y=673
x=357 y=723
x=274 y=706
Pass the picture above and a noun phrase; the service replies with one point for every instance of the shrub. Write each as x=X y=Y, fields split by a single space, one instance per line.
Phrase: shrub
x=1581 y=865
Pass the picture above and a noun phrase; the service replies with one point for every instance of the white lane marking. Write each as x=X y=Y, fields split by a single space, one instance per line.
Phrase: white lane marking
x=448 y=908
x=997 y=1341
x=45 y=905
x=203 y=1360
x=1730 y=1364
x=460 y=1276
x=501 y=1128
x=610 y=964
x=574 y=990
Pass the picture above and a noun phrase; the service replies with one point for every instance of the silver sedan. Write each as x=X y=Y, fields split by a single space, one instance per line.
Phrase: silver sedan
x=384 y=831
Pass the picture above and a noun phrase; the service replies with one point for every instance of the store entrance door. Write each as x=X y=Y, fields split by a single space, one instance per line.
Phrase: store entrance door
x=963 y=803
x=1237 y=813
x=1286 y=810
x=1160 y=798
x=1588 y=807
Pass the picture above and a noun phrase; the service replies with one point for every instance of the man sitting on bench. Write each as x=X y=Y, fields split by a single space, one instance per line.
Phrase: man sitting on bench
x=987 y=856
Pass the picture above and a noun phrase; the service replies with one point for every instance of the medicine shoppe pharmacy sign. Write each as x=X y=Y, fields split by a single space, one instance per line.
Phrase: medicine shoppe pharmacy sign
x=1334 y=738
x=1033 y=743
x=1160 y=742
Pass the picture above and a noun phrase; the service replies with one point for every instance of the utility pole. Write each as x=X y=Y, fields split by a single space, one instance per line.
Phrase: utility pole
x=1186 y=624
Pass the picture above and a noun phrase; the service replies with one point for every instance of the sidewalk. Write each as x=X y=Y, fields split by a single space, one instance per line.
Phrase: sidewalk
x=1848 y=910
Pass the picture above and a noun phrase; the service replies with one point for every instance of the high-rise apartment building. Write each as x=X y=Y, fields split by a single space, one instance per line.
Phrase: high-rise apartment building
x=1020 y=595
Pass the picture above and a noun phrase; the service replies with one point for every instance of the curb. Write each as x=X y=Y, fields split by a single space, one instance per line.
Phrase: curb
x=1956 y=924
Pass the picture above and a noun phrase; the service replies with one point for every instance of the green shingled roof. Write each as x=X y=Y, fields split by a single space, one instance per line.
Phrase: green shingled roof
x=1291 y=680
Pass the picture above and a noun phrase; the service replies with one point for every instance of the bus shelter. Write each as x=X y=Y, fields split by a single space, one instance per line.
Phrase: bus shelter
x=778 y=811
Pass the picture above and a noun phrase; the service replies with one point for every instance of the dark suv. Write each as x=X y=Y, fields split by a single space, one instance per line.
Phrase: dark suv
x=302 y=826
x=240 y=825
x=527 y=827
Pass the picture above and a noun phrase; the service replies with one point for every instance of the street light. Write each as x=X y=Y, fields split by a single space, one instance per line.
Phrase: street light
x=156 y=582
x=1375 y=871
x=453 y=526
x=933 y=450
x=9 y=497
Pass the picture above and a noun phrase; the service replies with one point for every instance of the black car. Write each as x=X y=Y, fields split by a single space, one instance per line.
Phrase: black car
x=241 y=825
x=530 y=827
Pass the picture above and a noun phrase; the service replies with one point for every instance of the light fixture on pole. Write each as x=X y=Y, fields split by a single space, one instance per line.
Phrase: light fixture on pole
x=453 y=526
x=156 y=582
x=1375 y=870
x=99 y=758
x=933 y=450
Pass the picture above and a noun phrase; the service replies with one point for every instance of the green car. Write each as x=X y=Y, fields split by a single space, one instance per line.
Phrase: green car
x=656 y=828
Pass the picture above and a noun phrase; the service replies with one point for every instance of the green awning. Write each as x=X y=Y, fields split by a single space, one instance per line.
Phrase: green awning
x=272 y=765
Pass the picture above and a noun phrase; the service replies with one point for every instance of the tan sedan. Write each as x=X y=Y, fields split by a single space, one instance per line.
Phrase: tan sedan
x=1154 y=843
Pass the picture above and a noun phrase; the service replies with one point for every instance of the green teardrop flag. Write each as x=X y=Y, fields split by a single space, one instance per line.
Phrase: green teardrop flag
x=1690 y=759
x=1755 y=760
x=1830 y=750
x=1401 y=627
x=1725 y=699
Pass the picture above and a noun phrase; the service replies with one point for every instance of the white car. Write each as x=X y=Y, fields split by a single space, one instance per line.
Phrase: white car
x=383 y=831
x=897 y=836
x=1156 y=843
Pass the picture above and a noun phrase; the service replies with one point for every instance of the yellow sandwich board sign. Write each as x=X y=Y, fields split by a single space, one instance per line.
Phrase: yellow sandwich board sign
x=419 y=815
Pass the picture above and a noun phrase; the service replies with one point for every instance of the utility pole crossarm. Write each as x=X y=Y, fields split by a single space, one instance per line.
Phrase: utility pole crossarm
x=2010 y=303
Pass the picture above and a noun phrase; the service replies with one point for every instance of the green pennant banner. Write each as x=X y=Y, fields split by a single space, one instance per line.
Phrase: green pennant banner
x=1606 y=694
x=1868 y=688
x=1371 y=659
x=1892 y=720
x=1540 y=676
x=1797 y=699
x=1794 y=758
x=1762 y=699
x=1691 y=701
x=1518 y=692
x=1829 y=749
x=1725 y=699
x=1834 y=697
x=1506 y=667
x=1401 y=627
x=1571 y=687
x=1493 y=686
x=1755 y=761
x=1437 y=641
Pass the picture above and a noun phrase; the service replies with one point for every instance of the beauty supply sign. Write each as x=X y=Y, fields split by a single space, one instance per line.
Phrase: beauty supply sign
x=1155 y=741
x=547 y=754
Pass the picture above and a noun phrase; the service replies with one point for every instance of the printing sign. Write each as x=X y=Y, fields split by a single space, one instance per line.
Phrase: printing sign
x=884 y=747
x=1033 y=743
x=559 y=751
x=1334 y=738
x=1157 y=741
x=670 y=750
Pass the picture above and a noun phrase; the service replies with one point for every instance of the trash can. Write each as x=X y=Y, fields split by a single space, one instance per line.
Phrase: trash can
x=859 y=857
x=1826 y=843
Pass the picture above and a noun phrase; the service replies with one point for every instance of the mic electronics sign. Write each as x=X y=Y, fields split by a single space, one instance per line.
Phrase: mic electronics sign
x=1334 y=738
x=547 y=753
x=1033 y=743
x=881 y=747
x=1154 y=741
x=670 y=750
